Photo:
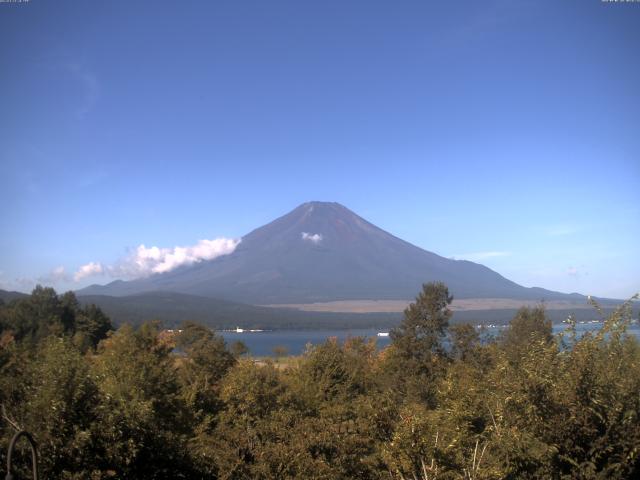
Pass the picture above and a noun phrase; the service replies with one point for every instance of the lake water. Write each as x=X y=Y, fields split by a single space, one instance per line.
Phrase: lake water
x=295 y=341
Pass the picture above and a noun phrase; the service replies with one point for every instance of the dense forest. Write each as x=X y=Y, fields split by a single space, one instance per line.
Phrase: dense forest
x=145 y=403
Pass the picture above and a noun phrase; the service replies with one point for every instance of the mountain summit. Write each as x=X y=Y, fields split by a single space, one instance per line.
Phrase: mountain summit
x=321 y=252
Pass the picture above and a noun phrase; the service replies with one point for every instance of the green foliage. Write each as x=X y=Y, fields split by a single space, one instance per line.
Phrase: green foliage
x=239 y=348
x=206 y=352
x=140 y=411
x=528 y=326
x=36 y=317
x=417 y=357
x=425 y=322
x=154 y=404
x=280 y=351
x=241 y=445
x=91 y=326
x=200 y=372
x=54 y=398
x=464 y=341
x=46 y=313
x=598 y=391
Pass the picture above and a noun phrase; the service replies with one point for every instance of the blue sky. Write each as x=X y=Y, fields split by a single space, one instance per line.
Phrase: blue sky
x=504 y=132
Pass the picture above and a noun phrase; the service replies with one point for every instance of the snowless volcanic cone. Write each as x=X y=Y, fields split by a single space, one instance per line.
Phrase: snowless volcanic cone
x=323 y=252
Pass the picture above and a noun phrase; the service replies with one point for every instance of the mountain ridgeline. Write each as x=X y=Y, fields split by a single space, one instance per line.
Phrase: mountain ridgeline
x=323 y=252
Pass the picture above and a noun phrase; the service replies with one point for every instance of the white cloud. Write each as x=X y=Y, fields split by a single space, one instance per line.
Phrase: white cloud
x=21 y=284
x=145 y=261
x=160 y=260
x=479 y=256
x=59 y=274
x=89 y=270
x=313 y=238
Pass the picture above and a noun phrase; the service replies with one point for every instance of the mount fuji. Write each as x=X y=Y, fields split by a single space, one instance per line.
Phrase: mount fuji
x=324 y=252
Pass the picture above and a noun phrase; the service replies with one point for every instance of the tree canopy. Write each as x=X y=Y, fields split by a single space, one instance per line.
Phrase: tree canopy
x=438 y=403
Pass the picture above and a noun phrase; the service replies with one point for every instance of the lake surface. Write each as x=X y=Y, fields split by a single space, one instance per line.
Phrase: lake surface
x=295 y=341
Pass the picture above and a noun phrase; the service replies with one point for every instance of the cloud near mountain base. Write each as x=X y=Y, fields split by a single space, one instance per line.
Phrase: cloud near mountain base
x=146 y=261
x=89 y=270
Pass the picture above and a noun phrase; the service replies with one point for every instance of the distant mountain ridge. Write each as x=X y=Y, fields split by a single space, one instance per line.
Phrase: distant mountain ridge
x=322 y=252
x=8 y=296
x=174 y=308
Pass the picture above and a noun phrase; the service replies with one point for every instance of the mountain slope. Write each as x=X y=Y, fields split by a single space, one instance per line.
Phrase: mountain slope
x=322 y=252
x=7 y=296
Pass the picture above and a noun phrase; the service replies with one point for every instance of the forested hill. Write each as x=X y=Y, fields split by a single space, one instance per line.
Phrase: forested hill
x=174 y=308
x=7 y=296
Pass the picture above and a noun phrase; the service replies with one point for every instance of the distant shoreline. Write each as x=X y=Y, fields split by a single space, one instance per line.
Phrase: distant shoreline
x=398 y=306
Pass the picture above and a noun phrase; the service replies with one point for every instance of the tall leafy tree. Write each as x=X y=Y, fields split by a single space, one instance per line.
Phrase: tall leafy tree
x=530 y=326
x=46 y=313
x=37 y=316
x=417 y=356
x=91 y=325
x=142 y=417
x=200 y=371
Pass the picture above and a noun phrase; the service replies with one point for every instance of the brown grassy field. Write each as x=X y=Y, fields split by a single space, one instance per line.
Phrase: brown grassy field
x=390 y=306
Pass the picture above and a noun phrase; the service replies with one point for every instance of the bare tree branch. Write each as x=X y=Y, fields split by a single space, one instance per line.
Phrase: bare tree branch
x=14 y=424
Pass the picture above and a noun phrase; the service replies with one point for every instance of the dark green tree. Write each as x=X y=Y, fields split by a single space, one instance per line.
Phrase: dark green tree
x=528 y=326
x=91 y=326
x=206 y=362
x=61 y=402
x=416 y=356
x=41 y=314
x=253 y=396
x=205 y=350
x=46 y=313
x=464 y=341
x=144 y=425
x=239 y=348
